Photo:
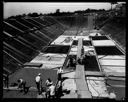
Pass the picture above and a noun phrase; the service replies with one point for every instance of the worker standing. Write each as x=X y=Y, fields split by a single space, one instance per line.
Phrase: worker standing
x=38 y=82
x=52 y=91
x=82 y=51
x=48 y=83
x=58 y=90
x=6 y=81
x=59 y=73
x=70 y=62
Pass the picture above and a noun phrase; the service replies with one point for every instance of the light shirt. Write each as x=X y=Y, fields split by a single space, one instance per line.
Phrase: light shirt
x=59 y=71
x=112 y=96
x=52 y=90
x=38 y=79
x=21 y=80
x=48 y=83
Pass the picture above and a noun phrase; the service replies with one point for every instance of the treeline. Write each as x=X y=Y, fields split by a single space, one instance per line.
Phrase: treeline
x=58 y=13
x=89 y=11
x=24 y=15
x=75 y=12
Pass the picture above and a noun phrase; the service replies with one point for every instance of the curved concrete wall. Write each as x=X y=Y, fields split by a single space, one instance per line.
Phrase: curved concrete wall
x=116 y=28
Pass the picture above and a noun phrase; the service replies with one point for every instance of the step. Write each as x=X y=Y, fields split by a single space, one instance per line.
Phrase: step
x=32 y=64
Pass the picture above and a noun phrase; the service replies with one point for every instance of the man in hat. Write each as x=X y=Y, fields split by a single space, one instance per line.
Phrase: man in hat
x=38 y=82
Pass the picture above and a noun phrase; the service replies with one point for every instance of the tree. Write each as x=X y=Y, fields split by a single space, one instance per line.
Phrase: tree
x=33 y=14
x=112 y=3
x=58 y=11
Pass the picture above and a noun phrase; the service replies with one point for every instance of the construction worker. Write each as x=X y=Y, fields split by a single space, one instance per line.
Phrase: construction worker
x=6 y=81
x=70 y=62
x=38 y=82
x=51 y=91
x=59 y=89
x=48 y=82
x=96 y=34
x=59 y=73
x=21 y=85
x=86 y=58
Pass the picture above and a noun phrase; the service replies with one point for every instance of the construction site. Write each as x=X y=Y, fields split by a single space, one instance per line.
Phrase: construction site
x=42 y=44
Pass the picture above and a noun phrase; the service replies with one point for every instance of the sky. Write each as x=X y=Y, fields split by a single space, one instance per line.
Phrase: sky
x=16 y=8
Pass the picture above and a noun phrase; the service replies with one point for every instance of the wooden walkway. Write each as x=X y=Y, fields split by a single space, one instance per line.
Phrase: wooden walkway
x=81 y=84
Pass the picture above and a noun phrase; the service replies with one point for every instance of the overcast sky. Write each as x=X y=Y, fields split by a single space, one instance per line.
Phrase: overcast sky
x=15 y=8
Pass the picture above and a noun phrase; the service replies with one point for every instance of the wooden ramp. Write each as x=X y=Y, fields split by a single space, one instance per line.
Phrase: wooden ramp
x=81 y=84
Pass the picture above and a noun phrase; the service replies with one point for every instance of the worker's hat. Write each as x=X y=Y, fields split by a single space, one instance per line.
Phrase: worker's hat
x=39 y=74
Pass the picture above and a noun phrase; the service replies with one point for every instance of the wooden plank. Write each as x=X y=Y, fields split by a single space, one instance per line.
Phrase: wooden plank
x=116 y=74
x=80 y=78
x=93 y=73
x=84 y=94
x=80 y=71
x=80 y=44
x=33 y=64
x=81 y=83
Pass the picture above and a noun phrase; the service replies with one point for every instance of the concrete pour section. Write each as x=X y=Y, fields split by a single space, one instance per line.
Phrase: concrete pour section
x=113 y=69
x=89 y=48
x=107 y=50
x=56 y=49
x=103 y=43
x=112 y=62
x=85 y=42
x=69 y=84
x=63 y=40
x=73 y=50
x=97 y=86
x=94 y=34
x=50 y=60
x=113 y=65
x=99 y=37
x=83 y=37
